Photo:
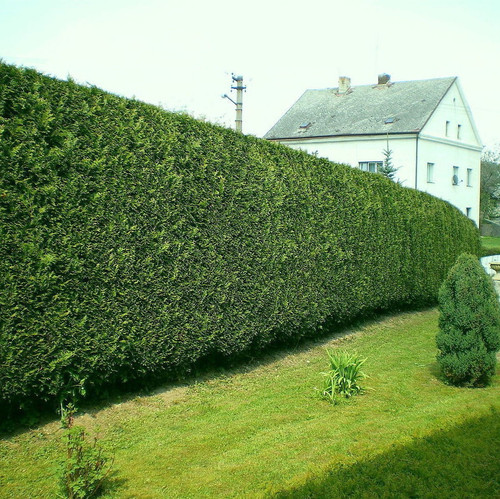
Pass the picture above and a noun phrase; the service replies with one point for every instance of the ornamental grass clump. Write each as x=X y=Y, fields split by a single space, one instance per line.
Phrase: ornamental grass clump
x=469 y=324
x=342 y=380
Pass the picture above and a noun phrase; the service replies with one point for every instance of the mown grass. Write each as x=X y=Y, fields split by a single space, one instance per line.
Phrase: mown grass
x=411 y=470
x=262 y=431
x=490 y=242
x=490 y=245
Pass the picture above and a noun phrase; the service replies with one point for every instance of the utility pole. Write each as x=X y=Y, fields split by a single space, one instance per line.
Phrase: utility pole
x=239 y=87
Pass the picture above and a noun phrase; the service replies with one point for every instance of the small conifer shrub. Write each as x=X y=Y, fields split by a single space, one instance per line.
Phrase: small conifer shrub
x=469 y=324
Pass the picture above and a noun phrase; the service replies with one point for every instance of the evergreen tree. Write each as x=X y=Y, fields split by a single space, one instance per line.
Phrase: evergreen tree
x=469 y=324
x=387 y=169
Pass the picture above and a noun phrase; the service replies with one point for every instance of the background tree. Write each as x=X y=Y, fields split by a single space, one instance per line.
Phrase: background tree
x=387 y=169
x=490 y=181
x=469 y=324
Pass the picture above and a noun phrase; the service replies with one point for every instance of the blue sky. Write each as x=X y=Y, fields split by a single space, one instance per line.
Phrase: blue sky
x=180 y=54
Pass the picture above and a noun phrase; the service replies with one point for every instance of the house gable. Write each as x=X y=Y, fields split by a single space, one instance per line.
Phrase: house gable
x=452 y=121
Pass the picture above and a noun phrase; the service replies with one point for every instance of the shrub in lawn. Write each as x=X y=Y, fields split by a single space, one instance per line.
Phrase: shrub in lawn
x=469 y=324
x=85 y=467
x=342 y=379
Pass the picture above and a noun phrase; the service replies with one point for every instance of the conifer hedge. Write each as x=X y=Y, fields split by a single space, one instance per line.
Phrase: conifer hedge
x=134 y=241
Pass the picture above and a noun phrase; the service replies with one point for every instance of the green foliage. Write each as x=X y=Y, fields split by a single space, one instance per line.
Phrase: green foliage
x=490 y=183
x=342 y=379
x=162 y=441
x=134 y=242
x=469 y=324
x=489 y=251
x=387 y=169
x=494 y=250
x=85 y=467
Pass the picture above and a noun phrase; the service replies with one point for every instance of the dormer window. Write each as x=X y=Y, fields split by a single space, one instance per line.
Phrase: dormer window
x=304 y=126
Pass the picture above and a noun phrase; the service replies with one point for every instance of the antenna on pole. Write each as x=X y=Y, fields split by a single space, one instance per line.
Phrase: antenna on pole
x=239 y=87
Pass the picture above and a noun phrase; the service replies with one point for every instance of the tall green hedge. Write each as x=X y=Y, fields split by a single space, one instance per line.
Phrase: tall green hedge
x=134 y=241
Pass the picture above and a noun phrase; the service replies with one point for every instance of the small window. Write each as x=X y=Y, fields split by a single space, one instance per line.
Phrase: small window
x=468 y=212
x=370 y=166
x=447 y=129
x=454 y=179
x=469 y=177
x=430 y=173
x=459 y=132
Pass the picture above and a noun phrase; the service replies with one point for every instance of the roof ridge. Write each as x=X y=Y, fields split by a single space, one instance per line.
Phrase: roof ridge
x=390 y=83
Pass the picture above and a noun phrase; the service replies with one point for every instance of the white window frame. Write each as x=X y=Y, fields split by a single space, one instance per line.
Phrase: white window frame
x=459 y=131
x=370 y=166
x=430 y=173
x=447 y=129
x=469 y=177
x=456 y=170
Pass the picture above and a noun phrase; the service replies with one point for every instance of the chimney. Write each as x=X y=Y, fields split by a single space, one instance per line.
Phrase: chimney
x=384 y=78
x=344 y=84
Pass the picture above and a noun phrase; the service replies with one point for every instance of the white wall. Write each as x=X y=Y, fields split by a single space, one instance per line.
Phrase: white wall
x=441 y=144
x=445 y=157
x=453 y=109
x=353 y=150
x=443 y=153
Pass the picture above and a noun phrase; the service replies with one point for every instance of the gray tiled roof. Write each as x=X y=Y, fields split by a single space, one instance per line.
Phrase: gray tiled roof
x=363 y=110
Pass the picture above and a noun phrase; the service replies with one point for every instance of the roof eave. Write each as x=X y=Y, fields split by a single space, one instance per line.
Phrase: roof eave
x=379 y=134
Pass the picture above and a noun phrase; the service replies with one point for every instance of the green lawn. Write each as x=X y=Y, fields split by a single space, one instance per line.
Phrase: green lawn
x=490 y=242
x=490 y=246
x=261 y=430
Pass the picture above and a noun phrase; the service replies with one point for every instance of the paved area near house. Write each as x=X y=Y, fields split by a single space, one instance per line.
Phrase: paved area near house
x=485 y=262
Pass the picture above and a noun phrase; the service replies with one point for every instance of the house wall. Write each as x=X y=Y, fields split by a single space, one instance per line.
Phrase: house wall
x=442 y=143
x=353 y=150
x=454 y=110
x=406 y=153
x=444 y=157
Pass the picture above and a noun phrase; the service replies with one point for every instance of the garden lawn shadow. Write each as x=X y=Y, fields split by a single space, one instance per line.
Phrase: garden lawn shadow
x=458 y=462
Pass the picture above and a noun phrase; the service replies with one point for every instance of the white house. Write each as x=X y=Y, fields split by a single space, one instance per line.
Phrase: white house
x=427 y=124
